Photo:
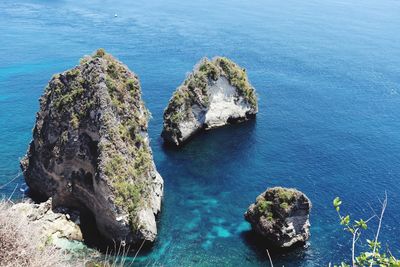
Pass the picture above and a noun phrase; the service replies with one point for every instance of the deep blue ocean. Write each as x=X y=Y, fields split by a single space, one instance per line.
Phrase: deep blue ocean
x=327 y=74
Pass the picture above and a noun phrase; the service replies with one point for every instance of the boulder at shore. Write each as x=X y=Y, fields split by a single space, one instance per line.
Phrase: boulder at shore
x=53 y=224
x=281 y=216
x=216 y=93
x=90 y=149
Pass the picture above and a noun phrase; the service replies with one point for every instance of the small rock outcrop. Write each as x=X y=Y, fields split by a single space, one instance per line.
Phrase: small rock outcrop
x=281 y=216
x=52 y=224
x=216 y=93
x=91 y=150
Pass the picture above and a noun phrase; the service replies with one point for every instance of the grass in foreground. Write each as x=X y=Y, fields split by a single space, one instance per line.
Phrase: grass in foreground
x=22 y=245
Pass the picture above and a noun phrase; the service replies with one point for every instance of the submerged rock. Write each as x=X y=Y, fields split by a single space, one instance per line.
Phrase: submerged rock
x=53 y=224
x=281 y=216
x=91 y=150
x=216 y=93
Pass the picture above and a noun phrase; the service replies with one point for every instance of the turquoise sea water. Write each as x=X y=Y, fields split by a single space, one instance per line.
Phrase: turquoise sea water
x=327 y=74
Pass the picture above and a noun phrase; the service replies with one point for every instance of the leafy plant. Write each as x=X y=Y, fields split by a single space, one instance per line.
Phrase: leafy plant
x=373 y=256
x=262 y=206
x=284 y=205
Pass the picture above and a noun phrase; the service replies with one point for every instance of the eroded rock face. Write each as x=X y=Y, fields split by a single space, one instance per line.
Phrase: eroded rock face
x=281 y=216
x=51 y=223
x=91 y=150
x=216 y=93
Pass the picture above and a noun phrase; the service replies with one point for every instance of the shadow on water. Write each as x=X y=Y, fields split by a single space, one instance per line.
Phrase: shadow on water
x=260 y=247
x=229 y=138
x=207 y=156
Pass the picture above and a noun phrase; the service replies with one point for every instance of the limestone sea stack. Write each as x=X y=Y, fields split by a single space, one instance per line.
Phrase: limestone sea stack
x=90 y=149
x=281 y=216
x=216 y=93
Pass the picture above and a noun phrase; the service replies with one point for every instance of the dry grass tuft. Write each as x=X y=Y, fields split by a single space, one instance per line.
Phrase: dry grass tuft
x=22 y=245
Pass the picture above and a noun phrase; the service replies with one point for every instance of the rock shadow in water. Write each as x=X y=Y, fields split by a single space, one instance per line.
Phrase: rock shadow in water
x=260 y=246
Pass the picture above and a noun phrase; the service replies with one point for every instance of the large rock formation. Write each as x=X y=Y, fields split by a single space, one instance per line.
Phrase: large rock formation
x=91 y=150
x=281 y=216
x=216 y=93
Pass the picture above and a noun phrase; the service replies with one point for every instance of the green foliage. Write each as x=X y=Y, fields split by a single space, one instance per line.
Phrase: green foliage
x=112 y=70
x=264 y=206
x=114 y=166
x=129 y=192
x=238 y=78
x=179 y=97
x=111 y=86
x=72 y=73
x=285 y=195
x=176 y=108
x=373 y=255
x=64 y=100
x=177 y=117
x=284 y=205
x=142 y=160
x=129 y=196
x=74 y=121
x=133 y=87
x=126 y=166
x=336 y=203
x=209 y=70
x=64 y=137
x=270 y=216
x=63 y=97
x=198 y=81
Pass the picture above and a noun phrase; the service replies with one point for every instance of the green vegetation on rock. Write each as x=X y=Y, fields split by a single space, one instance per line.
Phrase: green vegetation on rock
x=64 y=96
x=126 y=170
x=194 y=88
x=74 y=121
x=285 y=195
x=238 y=78
x=264 y=205
x=92 y=150
x=277 y=197
x=125 y=153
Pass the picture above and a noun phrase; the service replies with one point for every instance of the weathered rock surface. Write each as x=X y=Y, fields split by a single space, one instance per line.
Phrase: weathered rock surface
x=281 y=216
x=216 y=93
x=91 y=150
x=52 y=224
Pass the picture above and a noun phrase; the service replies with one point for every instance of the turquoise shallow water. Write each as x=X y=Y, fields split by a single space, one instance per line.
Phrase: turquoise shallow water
x=328 y=78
